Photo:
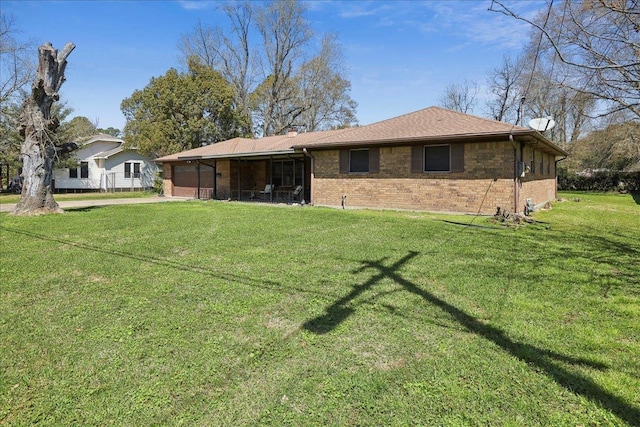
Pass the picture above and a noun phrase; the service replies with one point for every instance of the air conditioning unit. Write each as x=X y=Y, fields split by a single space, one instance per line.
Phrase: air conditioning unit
x=529 y=206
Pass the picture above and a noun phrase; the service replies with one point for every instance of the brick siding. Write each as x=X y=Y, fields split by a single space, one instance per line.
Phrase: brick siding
x=485 y=184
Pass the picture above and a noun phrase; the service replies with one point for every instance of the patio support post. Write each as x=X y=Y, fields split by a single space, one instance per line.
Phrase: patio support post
x=303 y=187
x=239 y=191
x=198 y=169
x=271 y=178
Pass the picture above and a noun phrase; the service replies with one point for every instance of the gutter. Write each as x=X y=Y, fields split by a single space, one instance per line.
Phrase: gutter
x=233 y=156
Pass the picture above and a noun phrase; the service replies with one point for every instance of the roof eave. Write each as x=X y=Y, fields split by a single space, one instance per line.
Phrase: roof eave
x=234 y=155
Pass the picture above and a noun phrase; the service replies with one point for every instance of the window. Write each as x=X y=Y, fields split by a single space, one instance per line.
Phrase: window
x=84 y=170
x=359 y=160
x=73 y=172
x=136 y=170
x=437 y=158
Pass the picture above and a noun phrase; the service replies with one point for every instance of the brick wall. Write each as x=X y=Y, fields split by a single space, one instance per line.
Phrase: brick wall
x=485 y=184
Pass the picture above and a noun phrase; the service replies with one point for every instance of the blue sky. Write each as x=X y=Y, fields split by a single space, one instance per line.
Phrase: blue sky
x=399 y=55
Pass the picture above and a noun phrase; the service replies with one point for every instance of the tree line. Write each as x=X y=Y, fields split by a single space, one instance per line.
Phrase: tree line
x=581 y=67
x=263 y=75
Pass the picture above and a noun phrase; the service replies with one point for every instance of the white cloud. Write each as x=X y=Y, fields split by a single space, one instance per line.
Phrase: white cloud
x=197 y=4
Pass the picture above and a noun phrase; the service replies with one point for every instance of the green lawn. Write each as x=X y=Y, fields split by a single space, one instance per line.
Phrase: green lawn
x=216 y=313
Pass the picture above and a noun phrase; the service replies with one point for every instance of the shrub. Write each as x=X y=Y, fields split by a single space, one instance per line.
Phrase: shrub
x=599 y=181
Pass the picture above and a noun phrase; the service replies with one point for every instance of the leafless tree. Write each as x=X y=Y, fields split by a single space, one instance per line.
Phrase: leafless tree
x=285 y=33
x=16 y=67
x=460 y=96
x=504 y=84
x=599 y=41
x=16 y=71
x=281 y=80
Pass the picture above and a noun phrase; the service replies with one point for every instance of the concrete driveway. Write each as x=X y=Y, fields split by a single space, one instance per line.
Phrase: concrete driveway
x=8 y=207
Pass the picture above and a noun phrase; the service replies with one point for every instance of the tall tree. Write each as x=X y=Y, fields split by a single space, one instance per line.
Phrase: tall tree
x=37 y=126
x=179 y=111
x=599 y=42
x=504 y=85
x=285 y=33
x=279 y=75
x=324 y=90
x=229 y=52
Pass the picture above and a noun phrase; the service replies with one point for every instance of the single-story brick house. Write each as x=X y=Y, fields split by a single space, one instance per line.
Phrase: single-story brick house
x=433 y=159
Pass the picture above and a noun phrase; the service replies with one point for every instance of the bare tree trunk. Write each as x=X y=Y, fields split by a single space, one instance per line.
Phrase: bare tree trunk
x=37 y=127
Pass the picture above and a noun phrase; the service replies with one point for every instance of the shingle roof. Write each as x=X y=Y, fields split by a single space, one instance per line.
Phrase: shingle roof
x=250 y=146
x=429 y=124
x=108 y=153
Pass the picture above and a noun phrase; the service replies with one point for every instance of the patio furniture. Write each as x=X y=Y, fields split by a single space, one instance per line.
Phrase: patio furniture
x=295 y=194
x=267 y=192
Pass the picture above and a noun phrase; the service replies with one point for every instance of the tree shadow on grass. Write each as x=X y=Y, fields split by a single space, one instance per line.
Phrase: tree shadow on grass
x=544 y=360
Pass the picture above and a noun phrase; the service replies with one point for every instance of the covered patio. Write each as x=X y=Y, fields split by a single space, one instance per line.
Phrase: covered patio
x=276 y=179
x=272 y=179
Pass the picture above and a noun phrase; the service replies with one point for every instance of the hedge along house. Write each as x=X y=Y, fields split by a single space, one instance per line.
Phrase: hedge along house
x=433 y=159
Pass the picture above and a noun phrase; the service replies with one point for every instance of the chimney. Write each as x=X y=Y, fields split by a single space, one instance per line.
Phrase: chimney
x=291 y=133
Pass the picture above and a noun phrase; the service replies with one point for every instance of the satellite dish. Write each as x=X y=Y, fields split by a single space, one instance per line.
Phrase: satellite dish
x=542 y=124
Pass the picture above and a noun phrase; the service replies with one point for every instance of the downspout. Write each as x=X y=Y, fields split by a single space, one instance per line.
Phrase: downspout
x=516 y=177
x=556 y=172
x=311 y=174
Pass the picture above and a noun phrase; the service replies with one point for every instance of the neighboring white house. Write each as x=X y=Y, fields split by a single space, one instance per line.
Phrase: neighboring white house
x=104 y=165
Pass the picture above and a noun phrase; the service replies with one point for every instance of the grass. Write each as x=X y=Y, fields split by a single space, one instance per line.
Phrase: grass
x=15 y=198
x=213 y=313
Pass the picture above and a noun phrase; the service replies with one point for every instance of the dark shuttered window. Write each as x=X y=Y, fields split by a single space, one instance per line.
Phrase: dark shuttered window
x=437 y=158
x=360 y=160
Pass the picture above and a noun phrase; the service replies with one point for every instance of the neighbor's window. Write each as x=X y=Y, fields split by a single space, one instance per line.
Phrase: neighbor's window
x=136 y=170
x=84 y=170
x=437 y=158
x=127 y=170
x=73 y=172
x=359 y=160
